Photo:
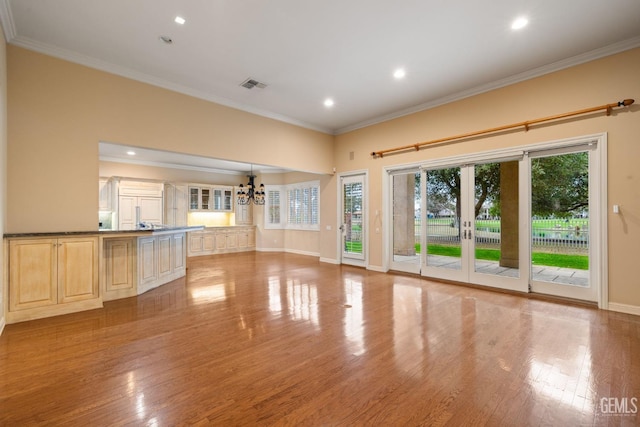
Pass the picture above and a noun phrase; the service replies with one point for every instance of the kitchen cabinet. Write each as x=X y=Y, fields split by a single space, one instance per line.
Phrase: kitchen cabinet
x=243 y=213
x=150 y=211
x=201 y=242
x=145 y=195
x=223 y=198
x=199 y=198
x=161 y=259
x=211 y=198
x=119 y=268
x=218 y=240
x=105 y=195
x=50 y=276
x=175 y=205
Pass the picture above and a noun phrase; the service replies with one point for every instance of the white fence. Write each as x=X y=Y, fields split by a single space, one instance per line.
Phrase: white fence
x=548 y=234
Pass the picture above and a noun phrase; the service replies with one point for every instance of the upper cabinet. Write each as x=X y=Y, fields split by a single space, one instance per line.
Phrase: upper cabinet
x=175 y=204
x=223 y=199
x=210 y=198
x=104 y=190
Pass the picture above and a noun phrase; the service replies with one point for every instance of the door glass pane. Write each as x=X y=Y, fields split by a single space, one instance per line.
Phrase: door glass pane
x=496 y=212
x=443 y=218
x=406 y=218
x=352 y=218
x=560 y=219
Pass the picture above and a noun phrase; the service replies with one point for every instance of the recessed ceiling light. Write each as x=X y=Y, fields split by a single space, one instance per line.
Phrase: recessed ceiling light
x=180 y=20
x=399 y=73
x=519 y=23
x=328 y=102
x=131 y=153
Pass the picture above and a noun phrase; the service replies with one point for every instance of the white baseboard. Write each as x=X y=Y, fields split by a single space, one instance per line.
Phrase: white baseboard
x=329 y=260
x=289 y=251
x=2 y=324
x=294 y=251
x=377 y=268
x=624 y=308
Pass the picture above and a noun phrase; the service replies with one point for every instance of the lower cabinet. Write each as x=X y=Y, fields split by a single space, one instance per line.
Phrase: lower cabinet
x=119 y=268
x=52 y=276
x=219 y=240
x=161 y=259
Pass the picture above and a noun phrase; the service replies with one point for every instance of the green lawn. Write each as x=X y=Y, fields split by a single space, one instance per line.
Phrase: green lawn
x=578 y=262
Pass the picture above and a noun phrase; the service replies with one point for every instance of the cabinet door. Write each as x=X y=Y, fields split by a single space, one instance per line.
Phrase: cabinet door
x=252 y=238
x=227 y=196
x=243 y=239
x=217 y=199
x=208 y=244
x=147 y=260
x=104 y=189
x=165 y=262
x=77 y=269
x=150 y=209
x=180 y=206
x=179 y=255
x=127 y=212
x=119 y=271
x=196 y=242
x=232 y=240
x=205 y=199
x=194 y=198
x=32 y=273
x=221 y=241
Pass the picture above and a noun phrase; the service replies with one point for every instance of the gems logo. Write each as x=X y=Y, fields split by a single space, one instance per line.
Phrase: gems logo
x=615 y=406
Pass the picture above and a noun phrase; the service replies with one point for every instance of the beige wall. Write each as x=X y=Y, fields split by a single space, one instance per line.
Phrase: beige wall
x=3 y=163
x=592 y=84
x=58 y=111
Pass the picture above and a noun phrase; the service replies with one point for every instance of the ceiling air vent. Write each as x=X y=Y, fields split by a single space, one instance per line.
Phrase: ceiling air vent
x=251 y=83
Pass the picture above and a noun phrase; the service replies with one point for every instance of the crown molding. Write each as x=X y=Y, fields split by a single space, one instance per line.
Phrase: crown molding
x=6 y=20
x=517 y=78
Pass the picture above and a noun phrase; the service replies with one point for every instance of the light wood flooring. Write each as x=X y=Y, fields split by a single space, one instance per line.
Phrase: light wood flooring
x=282 y=339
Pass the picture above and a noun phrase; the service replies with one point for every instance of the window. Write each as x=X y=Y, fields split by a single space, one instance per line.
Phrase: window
x=294 y=206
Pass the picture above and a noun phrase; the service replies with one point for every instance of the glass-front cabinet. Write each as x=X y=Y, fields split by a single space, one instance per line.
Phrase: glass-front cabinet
x=223 y=199
x=211 y=198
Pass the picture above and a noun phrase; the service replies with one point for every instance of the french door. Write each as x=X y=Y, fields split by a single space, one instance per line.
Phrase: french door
x=565 y=222
x=472 y=224
x=528 y=219
x=353 y=219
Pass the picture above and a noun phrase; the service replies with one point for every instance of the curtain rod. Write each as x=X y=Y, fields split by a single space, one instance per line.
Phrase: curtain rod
x=525 y=125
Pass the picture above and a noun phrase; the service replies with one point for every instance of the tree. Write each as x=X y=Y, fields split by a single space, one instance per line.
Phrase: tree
x=443 y=186
x=559 y=186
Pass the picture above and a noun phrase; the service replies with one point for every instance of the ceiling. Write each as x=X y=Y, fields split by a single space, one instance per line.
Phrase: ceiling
x=308 y=51
x=143 y=156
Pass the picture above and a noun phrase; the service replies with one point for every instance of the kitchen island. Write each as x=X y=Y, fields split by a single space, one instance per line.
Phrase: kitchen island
x=48 y=274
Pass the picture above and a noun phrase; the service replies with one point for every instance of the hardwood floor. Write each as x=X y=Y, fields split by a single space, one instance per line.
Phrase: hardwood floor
x=282 y=339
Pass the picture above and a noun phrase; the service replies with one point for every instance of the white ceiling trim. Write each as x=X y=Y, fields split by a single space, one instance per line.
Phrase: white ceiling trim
x=6 y=19
x=170 y=165
x=517 y=78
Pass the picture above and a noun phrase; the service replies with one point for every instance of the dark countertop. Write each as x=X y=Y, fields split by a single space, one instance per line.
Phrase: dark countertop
x=105 y=233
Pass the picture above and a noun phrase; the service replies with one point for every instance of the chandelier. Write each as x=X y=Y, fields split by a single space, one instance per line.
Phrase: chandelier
x=245 y=197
